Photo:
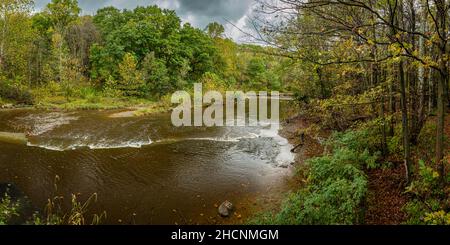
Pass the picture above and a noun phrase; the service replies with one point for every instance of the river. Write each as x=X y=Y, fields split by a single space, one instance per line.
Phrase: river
x=144 y=170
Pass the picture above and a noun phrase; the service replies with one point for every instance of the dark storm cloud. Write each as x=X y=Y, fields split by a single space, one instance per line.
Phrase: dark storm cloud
x=198 y=12
x=232 y=10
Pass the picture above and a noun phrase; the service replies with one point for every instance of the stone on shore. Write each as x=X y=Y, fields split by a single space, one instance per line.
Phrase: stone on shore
x=225 y=209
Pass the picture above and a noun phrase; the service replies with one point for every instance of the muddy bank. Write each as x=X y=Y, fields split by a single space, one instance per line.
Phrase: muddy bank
x=310 y=143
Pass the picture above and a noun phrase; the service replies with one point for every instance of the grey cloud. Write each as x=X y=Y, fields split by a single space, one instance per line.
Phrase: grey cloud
x=232 y=10
x=198 y=12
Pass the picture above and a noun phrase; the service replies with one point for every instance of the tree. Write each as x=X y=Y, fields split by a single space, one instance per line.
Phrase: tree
x=80 y=37
x=198 y=50
x=15 y=36
x=226 y=63
x=155 y=75
x=131 y=79
x=215 y=30
x=185 y=52
x=61 y=13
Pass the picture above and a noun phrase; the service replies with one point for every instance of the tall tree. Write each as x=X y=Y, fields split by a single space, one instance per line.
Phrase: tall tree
x=215 y=30
x=61 y=13
x=15 y=36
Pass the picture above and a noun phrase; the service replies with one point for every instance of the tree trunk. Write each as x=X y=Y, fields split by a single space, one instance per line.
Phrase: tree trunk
x=392 y=104
x=3 y=40
x=442 y=28
x=405 y=126
x=321 y=84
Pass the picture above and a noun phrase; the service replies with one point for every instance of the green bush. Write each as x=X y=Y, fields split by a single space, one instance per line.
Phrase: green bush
x=15 y=92
x=8 y=209
x=430 y=201
x=335 y=191
x=89 y=94
x=362 y=142
x=395 y=145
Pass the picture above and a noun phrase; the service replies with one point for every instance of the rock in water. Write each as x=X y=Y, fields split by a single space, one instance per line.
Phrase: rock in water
x=225 y=208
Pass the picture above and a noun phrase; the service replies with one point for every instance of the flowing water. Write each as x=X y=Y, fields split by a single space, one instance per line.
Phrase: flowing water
x=144 y=170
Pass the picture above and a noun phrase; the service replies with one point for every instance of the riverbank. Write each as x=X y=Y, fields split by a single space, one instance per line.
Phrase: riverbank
x=131 y=106
x=310 y=146
x=353 y=184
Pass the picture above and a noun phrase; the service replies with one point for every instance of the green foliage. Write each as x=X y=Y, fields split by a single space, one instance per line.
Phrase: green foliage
x=427 y=138
x=215 y=30
x=62 y=12
x=16 y=38
x=430 y=201
x=131 y=81
x=395 y=145
x=8 y=209
x=155 y=75
x=335 y=191
x=364 y=142
x=261 y=74
x=146 y=52
x=15 y=91
x=211 y=81
x=54 y=213
x=89 y=94
x=256 y=66
x=169 y=55
x=437 y=218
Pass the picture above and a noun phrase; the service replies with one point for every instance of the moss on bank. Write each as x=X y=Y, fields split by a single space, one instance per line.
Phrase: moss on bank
x=139 y=105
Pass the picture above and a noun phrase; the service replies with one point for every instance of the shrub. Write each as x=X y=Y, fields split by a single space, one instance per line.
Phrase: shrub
x=132 y=81
x=335 y=191
x=437 y=218
x=15 y=92
x=430 y=201
x=89 y=94
x=8 y=209
x=337 y=203
x=427 y=138
x=211 y=81
x=395 y=145
x=362 y=142
x=110 y=88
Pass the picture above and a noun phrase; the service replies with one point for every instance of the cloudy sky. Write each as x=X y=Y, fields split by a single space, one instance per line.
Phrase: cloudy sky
x=198 y=12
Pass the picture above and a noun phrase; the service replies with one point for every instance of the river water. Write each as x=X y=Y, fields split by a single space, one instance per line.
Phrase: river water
x=144 y=170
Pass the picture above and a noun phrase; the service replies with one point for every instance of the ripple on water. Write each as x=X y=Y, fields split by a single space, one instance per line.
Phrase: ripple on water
x=37 y=124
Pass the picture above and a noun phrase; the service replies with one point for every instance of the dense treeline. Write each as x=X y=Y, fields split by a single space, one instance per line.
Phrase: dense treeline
x=56 y=55
x=387 y=61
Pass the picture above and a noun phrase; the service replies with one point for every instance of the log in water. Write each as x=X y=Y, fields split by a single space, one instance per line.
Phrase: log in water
x=14 y=138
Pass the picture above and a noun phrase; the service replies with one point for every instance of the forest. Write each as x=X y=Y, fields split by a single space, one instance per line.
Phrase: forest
x=57 y=58
x=370 y=77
